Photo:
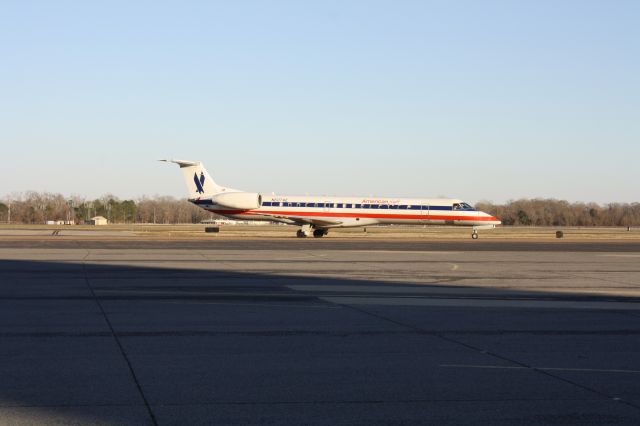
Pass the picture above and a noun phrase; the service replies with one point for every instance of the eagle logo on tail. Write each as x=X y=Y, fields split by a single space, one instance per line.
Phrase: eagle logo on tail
x=199 y=182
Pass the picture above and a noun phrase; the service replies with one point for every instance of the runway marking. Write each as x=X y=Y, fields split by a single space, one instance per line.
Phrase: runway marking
x=397 y=290
x=268 y=305
x=404 y=251
x=478 y=303
x=518 y=367
x=454 y=267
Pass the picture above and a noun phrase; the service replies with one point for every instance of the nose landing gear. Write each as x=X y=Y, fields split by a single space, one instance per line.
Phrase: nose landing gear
x=474 y=234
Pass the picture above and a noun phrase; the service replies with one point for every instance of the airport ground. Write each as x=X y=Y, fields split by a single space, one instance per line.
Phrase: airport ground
x=251 y=326
x=196 y=231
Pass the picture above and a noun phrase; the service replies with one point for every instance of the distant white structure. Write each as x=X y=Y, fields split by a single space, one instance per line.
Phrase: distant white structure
x=97 y=220
x=61 y=222
x=236 y=222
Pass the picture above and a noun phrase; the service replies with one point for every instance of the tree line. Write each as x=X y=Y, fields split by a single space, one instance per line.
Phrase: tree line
x=36 y=207
x=551 y=212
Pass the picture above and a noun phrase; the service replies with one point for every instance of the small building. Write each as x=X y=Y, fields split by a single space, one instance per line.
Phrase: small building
x=97 y=220
x=236 y=222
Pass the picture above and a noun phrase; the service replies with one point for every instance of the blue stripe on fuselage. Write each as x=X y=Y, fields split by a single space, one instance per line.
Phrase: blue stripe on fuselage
x=343 y=205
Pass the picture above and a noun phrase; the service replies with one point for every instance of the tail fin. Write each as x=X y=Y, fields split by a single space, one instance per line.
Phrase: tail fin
x=199 y=183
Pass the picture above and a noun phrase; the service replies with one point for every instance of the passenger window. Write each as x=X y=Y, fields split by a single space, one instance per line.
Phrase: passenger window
x=358 y=206
x=384 y=206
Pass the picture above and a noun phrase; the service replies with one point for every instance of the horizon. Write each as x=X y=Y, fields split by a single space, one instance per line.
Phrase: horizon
x=488 y=101
x=21 y=195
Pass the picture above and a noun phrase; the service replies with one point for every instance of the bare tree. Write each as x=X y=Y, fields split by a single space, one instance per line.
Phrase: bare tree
x=550 y=212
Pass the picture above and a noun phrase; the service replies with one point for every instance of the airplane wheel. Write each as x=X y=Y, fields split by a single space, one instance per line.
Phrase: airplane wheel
x=300 y=234
x=318 y=233
x=474 y=235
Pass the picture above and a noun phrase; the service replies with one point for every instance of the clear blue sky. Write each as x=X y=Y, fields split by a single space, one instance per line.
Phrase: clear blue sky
x=476 y=100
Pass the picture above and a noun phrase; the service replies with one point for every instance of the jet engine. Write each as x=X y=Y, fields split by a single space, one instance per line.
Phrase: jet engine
x=238 y=200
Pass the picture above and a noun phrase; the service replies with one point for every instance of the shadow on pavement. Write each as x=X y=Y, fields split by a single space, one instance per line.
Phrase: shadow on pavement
x=120 y=344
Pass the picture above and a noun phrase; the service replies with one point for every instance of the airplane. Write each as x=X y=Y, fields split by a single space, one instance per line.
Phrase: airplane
x=317 y=214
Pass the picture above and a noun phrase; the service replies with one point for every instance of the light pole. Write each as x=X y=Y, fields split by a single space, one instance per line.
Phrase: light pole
x=89 y=207
x=70 y=207
x=43 y=209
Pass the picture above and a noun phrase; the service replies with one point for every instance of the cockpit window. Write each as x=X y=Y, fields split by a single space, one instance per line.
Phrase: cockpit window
x=462 y=206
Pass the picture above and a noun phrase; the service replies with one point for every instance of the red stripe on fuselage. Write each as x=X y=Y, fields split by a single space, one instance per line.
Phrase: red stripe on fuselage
x=354 y=215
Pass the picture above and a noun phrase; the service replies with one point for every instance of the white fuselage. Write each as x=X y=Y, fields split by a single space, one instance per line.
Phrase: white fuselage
x=342 y=212
x=316 y=214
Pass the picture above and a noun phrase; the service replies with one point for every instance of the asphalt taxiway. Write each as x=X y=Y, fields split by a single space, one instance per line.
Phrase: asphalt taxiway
x=280 y=331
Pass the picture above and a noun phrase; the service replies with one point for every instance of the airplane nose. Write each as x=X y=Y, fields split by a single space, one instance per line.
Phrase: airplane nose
x=492 y=219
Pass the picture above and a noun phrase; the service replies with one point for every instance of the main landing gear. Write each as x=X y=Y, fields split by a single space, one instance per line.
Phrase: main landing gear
x=318 y=233
x=308 y=231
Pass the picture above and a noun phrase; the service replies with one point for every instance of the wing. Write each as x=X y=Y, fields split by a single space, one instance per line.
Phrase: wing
x=301 y=220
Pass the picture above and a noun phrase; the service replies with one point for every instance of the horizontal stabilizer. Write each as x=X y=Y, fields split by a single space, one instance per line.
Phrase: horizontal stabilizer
x=182 y=163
